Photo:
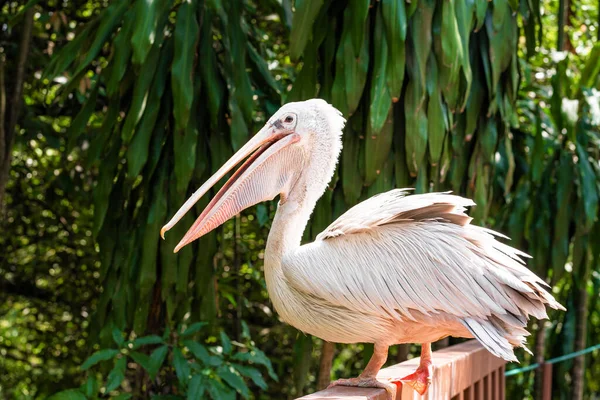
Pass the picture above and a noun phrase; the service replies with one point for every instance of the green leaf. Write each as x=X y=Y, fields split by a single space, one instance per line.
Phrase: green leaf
x=501 y=44
x=146 y=27
x=416 y=126
x=394 y=19
x=122 y=52
x=122 y=396
x=102 y=135
x=218 y=391
x=302 y=24
x=262 y=214
x=157 y=358
x=137 y=152
x=234 y=380
x=488 y=138
x=562 y=219
x=184 y=146
x=146 y=340
x=258 y=357
x=71 y=394
x=262 y=67
x=419 y=45
x=226 y=343
x=436 y=118
x=80 y=121
x=193 y=328
x=245 y=330
x=241 y=103
x=101 y=355
x=591 y=70
x=359 y=10
x=91 y=386
x=141 y=92
x=116 y=375
x=302 y=359
x=63 y=59
x=253 y=374
x=350 y=71
x=377 y=148
x=110 y=18
x=142 y=359
x=212 y=82
x=352 y=182
x=182 y=70
x=147 y=267
x=182 y=367
x=117 y=336
x=381 y=100
x=196 y=388
x=588 y=190
x=201 y=353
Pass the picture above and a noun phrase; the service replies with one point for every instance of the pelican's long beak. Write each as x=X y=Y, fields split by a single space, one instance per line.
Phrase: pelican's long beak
x=262 y=177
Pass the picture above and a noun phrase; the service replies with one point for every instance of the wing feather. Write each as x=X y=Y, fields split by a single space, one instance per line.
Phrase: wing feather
x=414 y=256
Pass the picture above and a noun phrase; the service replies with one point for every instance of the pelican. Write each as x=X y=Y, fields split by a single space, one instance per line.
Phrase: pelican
x=396 y=268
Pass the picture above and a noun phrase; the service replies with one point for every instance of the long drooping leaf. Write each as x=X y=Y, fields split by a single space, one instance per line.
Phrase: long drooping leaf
x=147 y=29
x=78 y=124
x=562 y=220
x=394 y=19
x=137 y=152
x=381 y=99
x=122 y=53
x=110 y=18
x=182 y=70
x=436 y=114
x=141 y=91
x=304 y=16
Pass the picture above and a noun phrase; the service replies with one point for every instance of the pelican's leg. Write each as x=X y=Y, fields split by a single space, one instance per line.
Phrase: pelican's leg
x=421 y=378
x=368 y=378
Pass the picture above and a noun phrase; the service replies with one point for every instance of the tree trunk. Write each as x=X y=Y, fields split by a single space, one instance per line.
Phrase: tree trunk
x=564 y=19
x=580 y=336
x=402 y=354
x=540 y=346
x=442 y=343
x=327 y=353
x=10 y=111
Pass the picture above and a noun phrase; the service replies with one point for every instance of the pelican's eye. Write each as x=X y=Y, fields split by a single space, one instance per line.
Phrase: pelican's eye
x=289 y=120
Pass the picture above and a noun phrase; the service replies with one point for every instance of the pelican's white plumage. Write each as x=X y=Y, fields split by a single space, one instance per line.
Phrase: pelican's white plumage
x=396 y=268
x=416 y=265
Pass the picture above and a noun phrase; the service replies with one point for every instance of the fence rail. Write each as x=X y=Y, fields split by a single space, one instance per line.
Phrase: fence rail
x=464 y=371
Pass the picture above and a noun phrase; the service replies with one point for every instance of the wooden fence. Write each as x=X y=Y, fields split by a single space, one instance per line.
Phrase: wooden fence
x=465 y=371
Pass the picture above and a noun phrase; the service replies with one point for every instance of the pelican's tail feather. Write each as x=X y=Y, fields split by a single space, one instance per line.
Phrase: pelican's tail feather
x=498 y=342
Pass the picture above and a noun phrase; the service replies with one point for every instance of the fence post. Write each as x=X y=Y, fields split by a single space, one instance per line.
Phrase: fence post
x=546 y=381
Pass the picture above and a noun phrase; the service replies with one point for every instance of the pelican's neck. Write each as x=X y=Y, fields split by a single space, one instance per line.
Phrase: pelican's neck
x=285 y=236
x=288 y=227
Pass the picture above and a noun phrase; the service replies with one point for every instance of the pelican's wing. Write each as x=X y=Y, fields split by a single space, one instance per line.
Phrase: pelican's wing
x=407 y=256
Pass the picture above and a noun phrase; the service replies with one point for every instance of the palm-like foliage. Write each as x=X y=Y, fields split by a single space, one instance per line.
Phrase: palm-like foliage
x=171 y=88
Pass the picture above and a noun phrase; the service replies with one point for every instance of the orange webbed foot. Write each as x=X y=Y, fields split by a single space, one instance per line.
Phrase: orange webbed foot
x=418 y=380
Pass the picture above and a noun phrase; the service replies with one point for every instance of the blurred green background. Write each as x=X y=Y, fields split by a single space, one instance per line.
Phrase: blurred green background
x=113 y=112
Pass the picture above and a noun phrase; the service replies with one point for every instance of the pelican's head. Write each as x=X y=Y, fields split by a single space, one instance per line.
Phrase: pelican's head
x=297 y=148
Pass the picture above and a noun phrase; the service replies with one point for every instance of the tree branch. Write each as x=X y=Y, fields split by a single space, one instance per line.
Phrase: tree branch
x=8 y=131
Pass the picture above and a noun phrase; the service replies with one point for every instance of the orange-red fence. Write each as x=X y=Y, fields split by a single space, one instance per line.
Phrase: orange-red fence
x=465 y=371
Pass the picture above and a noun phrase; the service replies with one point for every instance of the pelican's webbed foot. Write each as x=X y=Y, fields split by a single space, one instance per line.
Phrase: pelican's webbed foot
x=418 y=380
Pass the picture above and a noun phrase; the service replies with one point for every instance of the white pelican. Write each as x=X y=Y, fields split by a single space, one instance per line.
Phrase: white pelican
x=393 y=269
